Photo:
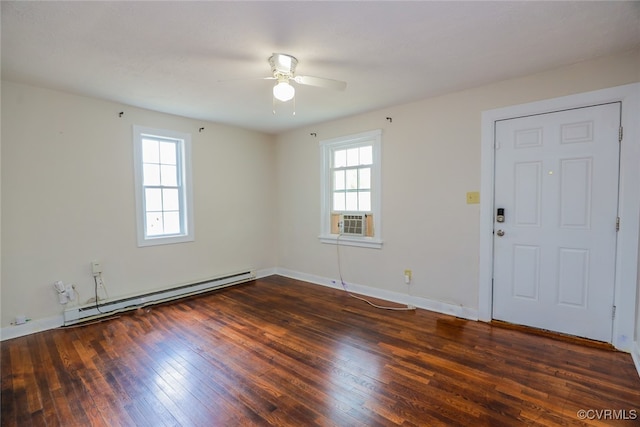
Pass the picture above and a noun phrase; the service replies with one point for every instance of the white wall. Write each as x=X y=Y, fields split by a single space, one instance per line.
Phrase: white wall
x=67 y=193
x=68 y=199
x=431 y=158
x=0 y=206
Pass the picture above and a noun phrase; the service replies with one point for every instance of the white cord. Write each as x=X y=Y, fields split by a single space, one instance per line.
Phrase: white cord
x=77 y=299
x=98 y=282
x=344 y=285
x=104 y=287
x=97 y=305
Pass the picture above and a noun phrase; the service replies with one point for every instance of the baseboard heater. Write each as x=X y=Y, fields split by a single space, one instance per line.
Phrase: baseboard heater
x=87 y=312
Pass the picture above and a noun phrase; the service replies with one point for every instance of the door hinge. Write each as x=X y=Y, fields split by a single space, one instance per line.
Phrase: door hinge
x=613 y=312
x=620 y=132
x=618 y=224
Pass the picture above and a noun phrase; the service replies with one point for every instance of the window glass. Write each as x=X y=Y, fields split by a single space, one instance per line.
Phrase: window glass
x=352 y=179
x=339 y=203
x=163 y=192
x=153 y=199
x=353 y=157
x=151 y=174
x=168 y=153
x=171 y=222
x=150 y=153
x=352 y=201
x=364 y=200
x=366 y=155
x=339 y=182
x=364 y=178
x=340 y=159
x=168 y=175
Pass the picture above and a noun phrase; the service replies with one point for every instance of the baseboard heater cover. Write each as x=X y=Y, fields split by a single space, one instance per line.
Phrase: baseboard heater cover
x=87 y=312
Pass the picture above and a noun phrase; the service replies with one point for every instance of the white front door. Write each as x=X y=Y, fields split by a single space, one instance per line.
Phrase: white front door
x=556 y=178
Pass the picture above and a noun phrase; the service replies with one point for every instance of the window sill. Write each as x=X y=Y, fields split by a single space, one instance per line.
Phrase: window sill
x=161 y=240
x=363 y=242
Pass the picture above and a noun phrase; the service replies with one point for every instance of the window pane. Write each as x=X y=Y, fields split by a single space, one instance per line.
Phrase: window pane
x=168 y=153
x=352 y=179
x=150 y=153
x=364 y=199
x=154 y=224
x=171 y=222
x=366 y=155
x=364 y=178
x=352 y=201
x=340 y=158
x=151 y=174
x=170 y=200
x=352 y=157
x=169 y=175
x=163 y=195
x=338 y=201
x=338 y=180
x=152 y=199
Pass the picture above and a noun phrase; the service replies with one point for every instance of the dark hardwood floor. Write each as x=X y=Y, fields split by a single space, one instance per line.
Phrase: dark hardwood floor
x=277 y=351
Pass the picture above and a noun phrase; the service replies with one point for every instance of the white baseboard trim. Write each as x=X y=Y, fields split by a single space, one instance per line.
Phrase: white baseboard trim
x=265 y=272
x=397 y=297
x=31 y=327
x=635 y=355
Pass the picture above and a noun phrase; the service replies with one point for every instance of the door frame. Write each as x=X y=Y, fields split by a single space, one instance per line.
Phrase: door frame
x=626 y=269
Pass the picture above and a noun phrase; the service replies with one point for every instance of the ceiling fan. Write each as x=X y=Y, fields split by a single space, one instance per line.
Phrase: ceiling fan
x=283 y=67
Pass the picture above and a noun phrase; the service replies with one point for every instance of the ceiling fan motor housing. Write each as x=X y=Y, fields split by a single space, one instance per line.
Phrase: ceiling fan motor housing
x=283 y=65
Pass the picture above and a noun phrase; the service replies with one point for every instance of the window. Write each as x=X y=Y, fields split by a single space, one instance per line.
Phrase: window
x=163 y=188
x=351 y=190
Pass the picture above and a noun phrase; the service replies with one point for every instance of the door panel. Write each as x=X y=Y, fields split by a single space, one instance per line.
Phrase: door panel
x=526 y=271
x=575 y=193
x=573 y=275
x=527 y=194
x=556 y=177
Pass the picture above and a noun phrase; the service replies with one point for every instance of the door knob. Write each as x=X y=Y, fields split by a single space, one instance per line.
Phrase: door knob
x=500 y=233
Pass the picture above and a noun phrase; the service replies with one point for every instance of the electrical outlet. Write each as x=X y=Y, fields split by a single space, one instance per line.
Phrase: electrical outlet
x=407 y=276
x=96 y=268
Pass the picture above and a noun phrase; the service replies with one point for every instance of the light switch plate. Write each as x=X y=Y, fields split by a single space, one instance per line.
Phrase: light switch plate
x=473 y=197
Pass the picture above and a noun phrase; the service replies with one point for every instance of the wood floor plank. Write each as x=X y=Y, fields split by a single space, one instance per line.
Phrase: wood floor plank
x=144 y=369
x=7 y=398
x=46 y=382
x=277 y=351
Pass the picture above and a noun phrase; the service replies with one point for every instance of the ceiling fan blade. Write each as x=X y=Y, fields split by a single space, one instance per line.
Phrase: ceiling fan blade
x=247 y=79
x=320 y=82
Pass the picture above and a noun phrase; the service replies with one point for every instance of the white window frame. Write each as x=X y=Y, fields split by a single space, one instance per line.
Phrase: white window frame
x=327 y=147
x=186 y=199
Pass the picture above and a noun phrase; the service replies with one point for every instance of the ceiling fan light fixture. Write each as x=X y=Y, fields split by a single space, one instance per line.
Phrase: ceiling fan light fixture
x=283 y=64
x=283 y=91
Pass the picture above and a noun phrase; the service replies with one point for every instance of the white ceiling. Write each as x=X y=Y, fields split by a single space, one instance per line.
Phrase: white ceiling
x=171 y=56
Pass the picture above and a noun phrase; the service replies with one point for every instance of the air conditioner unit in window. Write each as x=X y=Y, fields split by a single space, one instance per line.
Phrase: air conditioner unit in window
x=354 y=224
